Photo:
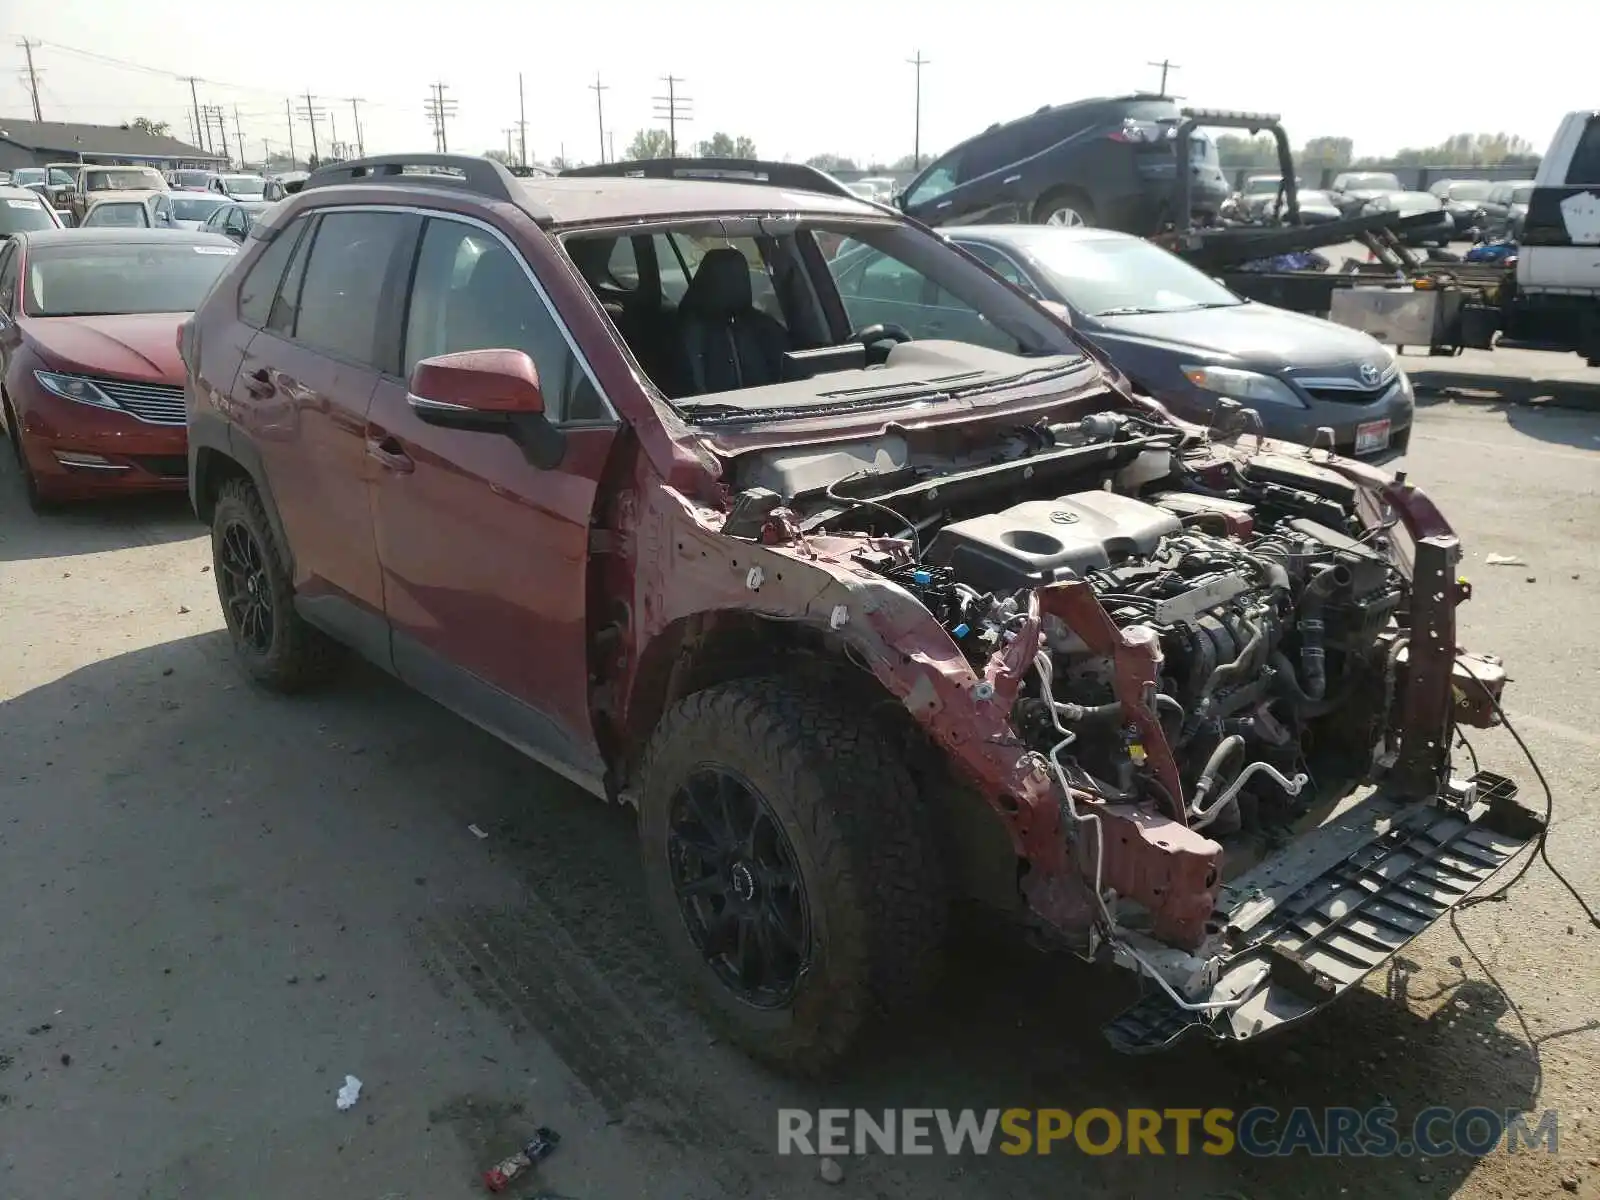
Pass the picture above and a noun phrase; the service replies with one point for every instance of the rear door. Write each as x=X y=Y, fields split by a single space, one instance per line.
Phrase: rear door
x=302 y=395
x=1560 y=245
x=484 y=556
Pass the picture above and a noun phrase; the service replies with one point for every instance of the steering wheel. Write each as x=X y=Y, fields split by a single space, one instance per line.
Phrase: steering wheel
x=881 y=332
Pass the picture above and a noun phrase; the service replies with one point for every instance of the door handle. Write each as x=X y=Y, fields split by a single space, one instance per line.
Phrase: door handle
x=259 y=383
x=1011 y=178
x=390 y=455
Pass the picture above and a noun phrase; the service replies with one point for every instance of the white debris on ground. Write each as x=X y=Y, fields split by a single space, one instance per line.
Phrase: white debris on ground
x=349 y=1093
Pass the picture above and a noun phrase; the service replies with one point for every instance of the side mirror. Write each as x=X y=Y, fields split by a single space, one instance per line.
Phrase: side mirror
x=487 y=391
x=1057 y=309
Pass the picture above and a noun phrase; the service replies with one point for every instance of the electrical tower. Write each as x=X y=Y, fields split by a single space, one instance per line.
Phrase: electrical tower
x=32 y=76
x=598 y=89
x=1165 y=67
x=439 y=111
x=311 y=112
x=916 y=129
x=214 y=118
x=672 y=108
x=355 y=111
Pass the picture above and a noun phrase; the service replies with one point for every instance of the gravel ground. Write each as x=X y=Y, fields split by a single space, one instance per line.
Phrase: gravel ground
x=214 y=904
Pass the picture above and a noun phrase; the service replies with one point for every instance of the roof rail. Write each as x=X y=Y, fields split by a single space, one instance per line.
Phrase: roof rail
x=481 y=175
x=732 y=170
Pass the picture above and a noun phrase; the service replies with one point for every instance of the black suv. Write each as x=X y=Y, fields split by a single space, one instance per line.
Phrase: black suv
x=1109 y=162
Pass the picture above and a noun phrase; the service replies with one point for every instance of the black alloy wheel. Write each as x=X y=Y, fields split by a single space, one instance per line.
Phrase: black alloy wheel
x=739 y=891
x=246 y=588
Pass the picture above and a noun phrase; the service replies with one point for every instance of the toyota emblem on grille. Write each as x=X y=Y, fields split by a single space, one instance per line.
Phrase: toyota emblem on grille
x=1369 y=374
x=1063 y=517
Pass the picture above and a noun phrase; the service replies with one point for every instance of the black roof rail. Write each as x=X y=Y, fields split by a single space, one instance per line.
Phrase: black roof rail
x=482 y=175
x=731 y=170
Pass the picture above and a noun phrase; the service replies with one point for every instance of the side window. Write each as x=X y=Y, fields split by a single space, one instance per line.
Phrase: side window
x=999 y=264
x=260 y=286
x=472 y=293
x=1584 y=169
x=941 y=177
x=342 y=292
x=9 y=258
x=286 y=304
x=690 y=250
x=878 y=288
x=236 y=222
x=990 y=153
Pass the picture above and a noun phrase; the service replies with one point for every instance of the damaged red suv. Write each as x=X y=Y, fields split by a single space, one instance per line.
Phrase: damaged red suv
x=861 y=616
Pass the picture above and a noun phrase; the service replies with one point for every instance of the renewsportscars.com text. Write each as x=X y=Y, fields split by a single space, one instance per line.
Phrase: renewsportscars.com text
x=1260 y=1132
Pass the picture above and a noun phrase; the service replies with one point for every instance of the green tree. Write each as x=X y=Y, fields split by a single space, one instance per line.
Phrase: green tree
x=832 y=162
x=499 y=156
x=1331 y=152
x=1464 y=150
x=720 y=145
x=1249 y=153
x=907 y=162
x=153 y=128
x=649 y=143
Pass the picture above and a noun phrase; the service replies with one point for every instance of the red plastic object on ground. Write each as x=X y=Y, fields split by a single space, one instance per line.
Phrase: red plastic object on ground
x=539 y=1146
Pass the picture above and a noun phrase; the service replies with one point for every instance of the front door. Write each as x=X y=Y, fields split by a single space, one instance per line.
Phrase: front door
x=485 y=557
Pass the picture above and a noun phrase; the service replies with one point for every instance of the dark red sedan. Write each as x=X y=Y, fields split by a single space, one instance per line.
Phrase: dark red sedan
x=91 y=386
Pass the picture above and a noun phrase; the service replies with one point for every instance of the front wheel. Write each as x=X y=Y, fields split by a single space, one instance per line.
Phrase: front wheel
x=790 y=867
x=37 y=500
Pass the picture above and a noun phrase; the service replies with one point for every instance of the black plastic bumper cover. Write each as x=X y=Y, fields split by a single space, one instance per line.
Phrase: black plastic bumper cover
x=1310 y=923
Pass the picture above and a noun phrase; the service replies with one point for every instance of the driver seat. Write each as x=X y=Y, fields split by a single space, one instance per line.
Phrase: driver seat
x=725 y=341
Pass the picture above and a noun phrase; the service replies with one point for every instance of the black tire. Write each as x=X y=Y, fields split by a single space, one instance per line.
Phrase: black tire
x=285 y=654
x=30 y=486
x=1064 y=199
x=870 y=882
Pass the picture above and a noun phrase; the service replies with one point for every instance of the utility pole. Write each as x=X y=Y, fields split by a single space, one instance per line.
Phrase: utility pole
x=266 y=155
x=522 y=123
x=214 y=116
x=673 y=108
x=600 y=111
x=355 y=111
x=333 y=129
x=611 y=136
x=439 y=111
x=916 y=130
x=288 y=116
x=311 y=113
x=33 y=76
x=1165 y=67
x=511 y=149
x=238 y=134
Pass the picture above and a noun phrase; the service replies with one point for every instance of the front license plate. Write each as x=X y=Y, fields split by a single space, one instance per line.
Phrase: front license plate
x=1372 y=437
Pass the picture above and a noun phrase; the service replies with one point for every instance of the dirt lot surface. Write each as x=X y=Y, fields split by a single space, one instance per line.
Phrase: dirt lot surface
x=214 y=904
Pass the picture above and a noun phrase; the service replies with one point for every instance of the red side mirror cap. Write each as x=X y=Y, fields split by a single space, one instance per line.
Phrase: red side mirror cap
x=486 y=381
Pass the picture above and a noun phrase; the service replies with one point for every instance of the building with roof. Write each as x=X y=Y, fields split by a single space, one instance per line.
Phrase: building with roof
x=37 y=143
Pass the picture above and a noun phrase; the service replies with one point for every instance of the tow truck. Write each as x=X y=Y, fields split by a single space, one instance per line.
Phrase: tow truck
x=1546 y=298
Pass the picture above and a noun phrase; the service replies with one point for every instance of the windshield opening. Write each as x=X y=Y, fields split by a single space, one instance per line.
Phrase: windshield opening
x=244 y=185
x=1470 y=189
x=195 y=208
x=125 y=179
x=107 y=279
x=1116 y=276
x=126 y=216
x=724 y=306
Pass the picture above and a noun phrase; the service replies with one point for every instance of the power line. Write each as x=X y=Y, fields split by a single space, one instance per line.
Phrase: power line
x=1165 y=67
x=522 y=123
x=33 y=76
x=600 y=111
x=672 y=108
x=355 y=110
x=916 y=130
x=311 y=112
x=440 y=110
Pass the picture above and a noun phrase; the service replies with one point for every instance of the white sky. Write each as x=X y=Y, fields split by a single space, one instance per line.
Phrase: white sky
x=800 y=79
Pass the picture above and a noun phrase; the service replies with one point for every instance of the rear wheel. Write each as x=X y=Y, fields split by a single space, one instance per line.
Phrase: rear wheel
x=274 y=644
x=1064 y=207
x=790 y=868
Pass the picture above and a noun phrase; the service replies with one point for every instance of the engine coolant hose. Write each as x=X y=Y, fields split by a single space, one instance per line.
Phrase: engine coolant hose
x=1226 y=749
x=1313 y=679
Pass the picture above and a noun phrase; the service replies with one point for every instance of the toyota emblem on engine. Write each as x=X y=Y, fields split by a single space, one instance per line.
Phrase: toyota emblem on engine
x=1369 y=374
x=1062 y=517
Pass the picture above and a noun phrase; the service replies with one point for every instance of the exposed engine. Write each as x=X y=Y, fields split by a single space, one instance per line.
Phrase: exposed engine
x=1267 y=622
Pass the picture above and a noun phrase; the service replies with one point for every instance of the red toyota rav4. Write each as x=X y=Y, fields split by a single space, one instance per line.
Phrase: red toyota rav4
x=861 y=617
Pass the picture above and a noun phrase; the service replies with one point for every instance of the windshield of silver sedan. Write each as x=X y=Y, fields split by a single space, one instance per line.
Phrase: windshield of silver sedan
x=787 y=317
